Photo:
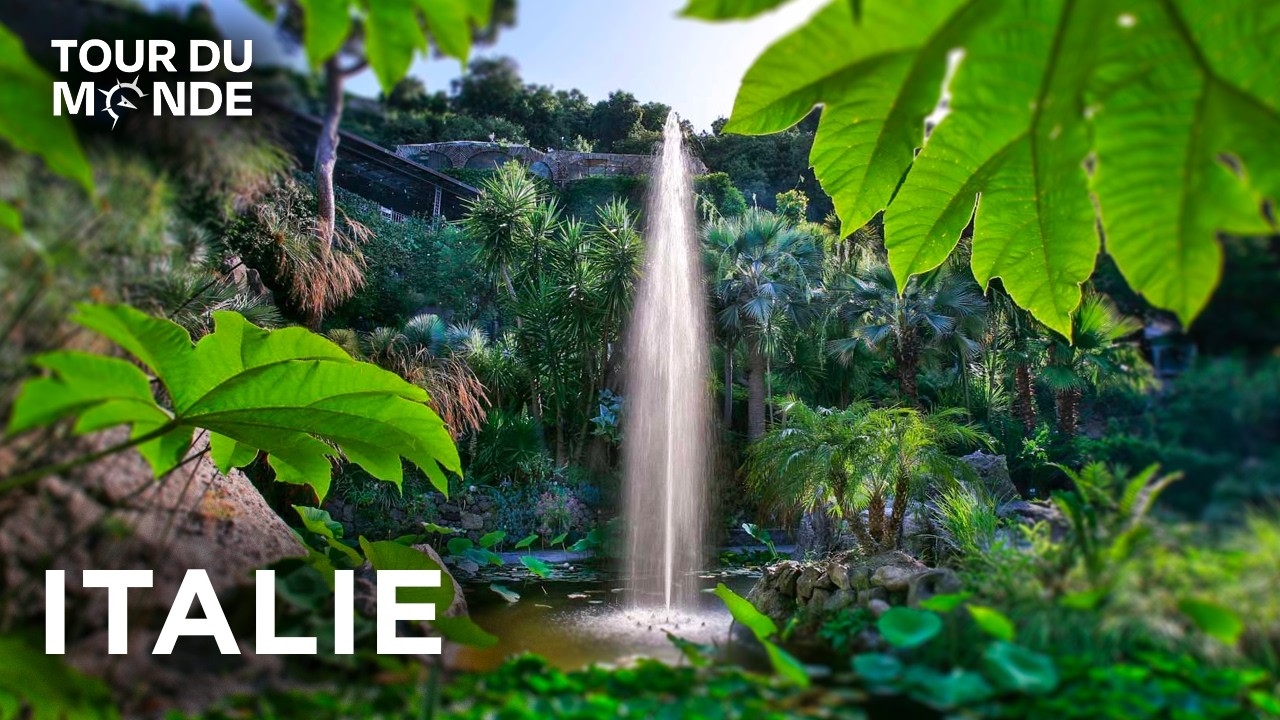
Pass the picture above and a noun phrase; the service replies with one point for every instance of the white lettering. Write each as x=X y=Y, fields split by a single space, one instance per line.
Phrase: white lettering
x=117 y=583
x=62 y=94
x=235 y=97
x=214 y=55
x=196 y=586
x=89 y=46
x=55 y=612
x=64 y=48
x=161 y=52
x=390 y=611
x=213 y=107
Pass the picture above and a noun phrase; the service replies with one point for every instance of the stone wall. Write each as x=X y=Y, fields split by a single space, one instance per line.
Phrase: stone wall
x=812 y=591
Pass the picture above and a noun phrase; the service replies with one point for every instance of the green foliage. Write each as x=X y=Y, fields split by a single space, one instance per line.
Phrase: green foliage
x=765 y=630
x=936 y=314
x=536 y=566
x=722 y=9
x=393 y=31
x=1040 y=87
x=1213 y=619
x=529 y=688
x=841 y=630
x=993 y=622
x=26 y=125
x=279 y=392
x=856 y=459
x=745 y=613
x=792 y=206
x=37 y=686
x=716 y=191
x=410 y=265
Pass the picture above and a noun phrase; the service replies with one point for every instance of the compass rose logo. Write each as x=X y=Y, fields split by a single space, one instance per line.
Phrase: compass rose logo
x=116 y=99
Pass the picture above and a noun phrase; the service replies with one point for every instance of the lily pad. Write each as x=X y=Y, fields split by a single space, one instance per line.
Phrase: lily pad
x=536 y=566
x=907 y=627
x=1016 y=669
x=505 y=592
x=877 y=668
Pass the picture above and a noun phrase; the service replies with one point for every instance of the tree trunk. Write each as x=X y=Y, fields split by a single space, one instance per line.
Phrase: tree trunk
x=1068 y=412
x=1024 y=384
x=728 y=388
x=875 y=516
x=901 y=496
x=755 y=393
x=327 y=151
x=906 y=358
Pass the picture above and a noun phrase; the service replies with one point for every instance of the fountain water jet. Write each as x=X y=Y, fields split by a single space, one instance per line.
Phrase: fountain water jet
x=668 y=416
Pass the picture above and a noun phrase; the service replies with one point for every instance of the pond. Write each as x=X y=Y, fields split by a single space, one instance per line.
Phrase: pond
x=580 y=616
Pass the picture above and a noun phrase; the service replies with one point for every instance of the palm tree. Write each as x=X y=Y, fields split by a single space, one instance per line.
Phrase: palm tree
x=1095 y=357
x=934 y=311
x=762 y=269
x=859 y=459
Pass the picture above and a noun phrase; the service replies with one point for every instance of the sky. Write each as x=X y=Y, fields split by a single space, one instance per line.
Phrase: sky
x=596 y=46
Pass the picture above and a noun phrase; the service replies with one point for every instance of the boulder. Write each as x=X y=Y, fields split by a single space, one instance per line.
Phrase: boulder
x=471 y=521
x=932 y=582
x=877 y=608
x=992 y=472
x=894 y=570
x=114 y=515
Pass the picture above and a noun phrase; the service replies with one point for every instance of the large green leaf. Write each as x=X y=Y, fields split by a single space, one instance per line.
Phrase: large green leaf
x=289 y=393
x=993 y=622
x=25 y=119
x=761 y=625
x=390 y=555
x=729 y=9
x=785 y=664
x=327 y=24
x=1151 y=119
x=1213 y=619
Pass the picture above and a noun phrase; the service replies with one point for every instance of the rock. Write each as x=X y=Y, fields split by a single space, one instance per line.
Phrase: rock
x=840 y=600
x=878 y=608
x=932 y=582
x=471 y=521
x=114 y=515
x=819 y=599
x=767 y=597
x=895 y=575
x=807 y=582
x=839 y=574
x=786 y=574
x=865 y=597
x=993 y=472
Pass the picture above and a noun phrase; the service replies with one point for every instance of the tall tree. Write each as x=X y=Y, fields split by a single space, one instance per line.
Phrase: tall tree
x=763 y=271
x=931 y=312
x=343 y=37
x=1098 y=357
